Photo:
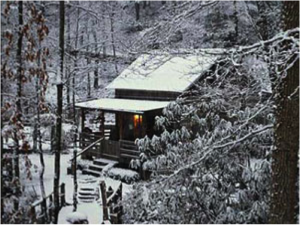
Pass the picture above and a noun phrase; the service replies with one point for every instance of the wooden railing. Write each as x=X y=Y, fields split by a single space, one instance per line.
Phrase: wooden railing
x=95 y=145
x=128 y=149
x=107 y=131
x=91 y=144
x=85 y=139
x=112 y=200
x=88 y=148
x=99 y=147
x=110 y=149
x=42 y=211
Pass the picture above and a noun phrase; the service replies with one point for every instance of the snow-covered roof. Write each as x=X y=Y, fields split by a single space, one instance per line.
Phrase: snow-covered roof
x=163 y=72
x=123 y=105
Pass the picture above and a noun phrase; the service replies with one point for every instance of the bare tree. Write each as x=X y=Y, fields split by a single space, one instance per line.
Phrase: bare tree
x=1 y=124
x=19 y=96
x=59 y=110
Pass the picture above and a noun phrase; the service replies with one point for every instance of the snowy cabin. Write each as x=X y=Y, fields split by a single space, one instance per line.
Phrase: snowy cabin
x=141 y=92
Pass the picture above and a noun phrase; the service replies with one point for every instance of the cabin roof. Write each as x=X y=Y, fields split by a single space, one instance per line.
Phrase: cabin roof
x=123 y=105
x=164 y=72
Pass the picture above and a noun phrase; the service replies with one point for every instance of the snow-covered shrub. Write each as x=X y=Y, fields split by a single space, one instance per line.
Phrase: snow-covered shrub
x=77 y=218
x=211 y=163
x=124 y=175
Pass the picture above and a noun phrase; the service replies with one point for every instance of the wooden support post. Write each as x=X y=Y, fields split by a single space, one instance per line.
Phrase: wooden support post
x=104 y=200
x=102 y=118
x=121 y=117
x=74 y=165
x=33 y=214
x=44 y=211
x=52 y=134
x=82 y=119
x=50 y=208
x=120 y=211
x=62 y=195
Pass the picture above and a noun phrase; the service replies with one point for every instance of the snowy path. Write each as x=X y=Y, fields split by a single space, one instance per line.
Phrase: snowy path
x=92 y=210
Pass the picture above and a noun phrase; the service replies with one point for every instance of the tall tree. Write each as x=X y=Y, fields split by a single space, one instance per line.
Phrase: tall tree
x=41 y=83
x=236 y=21
x=285 y=194
x=1 y=123
x=19 y=94
x=137 y=10
x=112 y=32
x=59 y=109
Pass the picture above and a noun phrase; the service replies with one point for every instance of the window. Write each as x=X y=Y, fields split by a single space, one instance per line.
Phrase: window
x=137 y=120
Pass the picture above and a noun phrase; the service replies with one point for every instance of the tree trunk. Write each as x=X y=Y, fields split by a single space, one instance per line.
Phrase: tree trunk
x=96 y=75
x=88 y=61
x=236 y=21
x=284 y=198
x=88 y=81
x=112 y=38
x=137 y=10
x=38 y=124
x=57 y=151
x=74 y=167
x=68 y=45
x=105 y=37
x=59 y=111
x=74 y=80
x=104 y=200
x=1 y=125
x=19 y=96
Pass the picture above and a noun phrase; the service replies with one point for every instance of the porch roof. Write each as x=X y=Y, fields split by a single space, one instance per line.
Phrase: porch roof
x=123 y=105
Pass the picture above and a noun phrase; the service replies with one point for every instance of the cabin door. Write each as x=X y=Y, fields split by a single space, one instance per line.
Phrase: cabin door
x=132 y=126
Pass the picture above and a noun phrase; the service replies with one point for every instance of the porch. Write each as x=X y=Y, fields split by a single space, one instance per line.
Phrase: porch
x=122 y=150
x=109 y=127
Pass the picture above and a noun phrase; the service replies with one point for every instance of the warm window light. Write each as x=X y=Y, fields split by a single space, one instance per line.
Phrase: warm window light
x=137 y=119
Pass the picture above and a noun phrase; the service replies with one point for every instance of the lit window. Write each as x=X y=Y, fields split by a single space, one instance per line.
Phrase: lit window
x=137 y=120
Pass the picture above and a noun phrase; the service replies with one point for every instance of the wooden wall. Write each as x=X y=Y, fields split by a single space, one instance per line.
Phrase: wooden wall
x=146 y=95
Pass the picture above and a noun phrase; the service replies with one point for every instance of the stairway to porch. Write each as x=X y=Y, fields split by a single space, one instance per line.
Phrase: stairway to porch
x=98 y=166
x=88 y=190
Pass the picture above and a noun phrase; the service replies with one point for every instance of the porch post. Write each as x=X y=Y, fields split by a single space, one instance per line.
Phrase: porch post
x=120 y=121
x=102 y=120
x=82 y=119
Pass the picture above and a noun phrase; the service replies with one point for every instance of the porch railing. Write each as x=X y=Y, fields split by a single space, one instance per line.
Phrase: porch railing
x=87 y=138
x=98 y=146
x=128 y=149
x=88 y=148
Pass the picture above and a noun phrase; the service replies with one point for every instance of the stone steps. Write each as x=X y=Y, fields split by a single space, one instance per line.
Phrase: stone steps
x=88 y=191
x=91 y=172
x=98 y=166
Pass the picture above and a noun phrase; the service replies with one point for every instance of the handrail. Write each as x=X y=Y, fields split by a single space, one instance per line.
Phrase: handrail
x=114 y=194
x=87 y=148
x=38 y=202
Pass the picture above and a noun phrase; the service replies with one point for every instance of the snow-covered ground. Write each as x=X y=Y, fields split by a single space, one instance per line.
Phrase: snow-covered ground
x=92 y=210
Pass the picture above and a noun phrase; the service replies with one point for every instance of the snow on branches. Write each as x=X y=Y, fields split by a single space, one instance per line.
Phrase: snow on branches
x=211 y=163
